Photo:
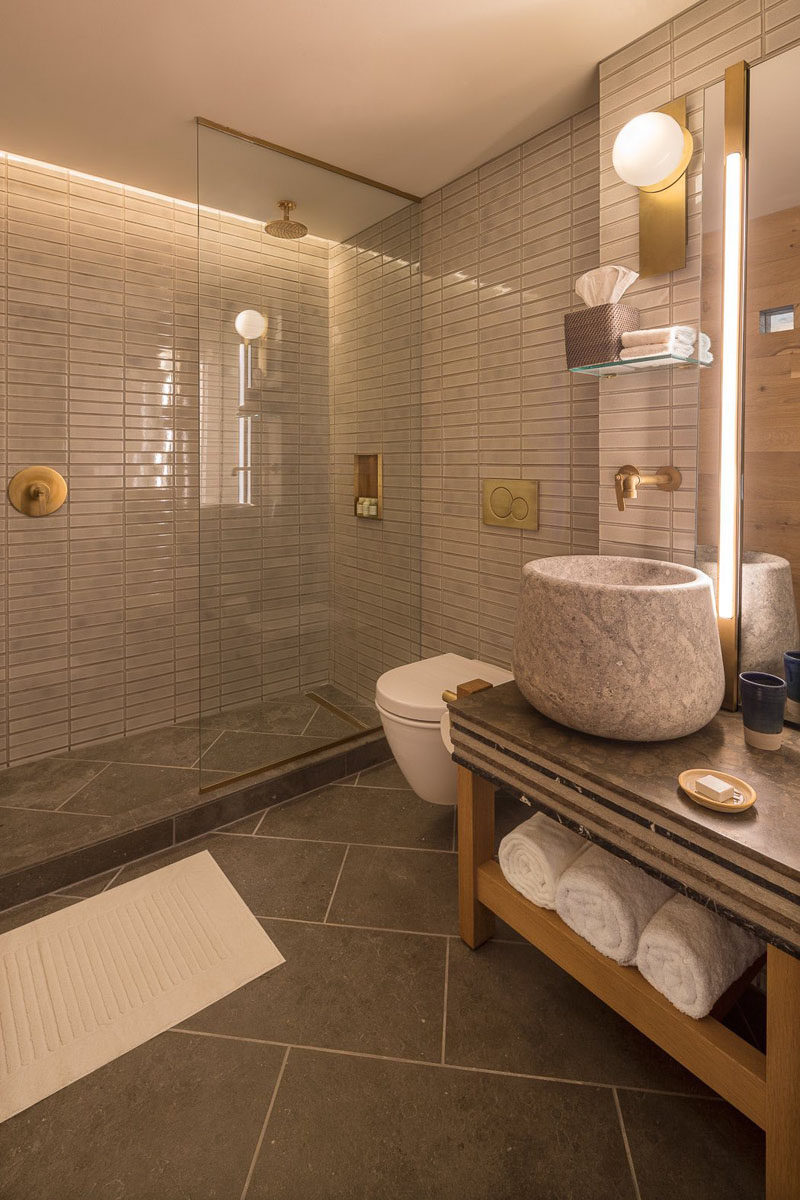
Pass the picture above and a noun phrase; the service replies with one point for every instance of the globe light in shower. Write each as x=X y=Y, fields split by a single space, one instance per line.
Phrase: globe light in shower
x=648 y=149
x=250 y=324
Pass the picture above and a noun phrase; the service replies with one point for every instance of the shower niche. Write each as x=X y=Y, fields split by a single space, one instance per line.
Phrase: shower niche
x=368 y=486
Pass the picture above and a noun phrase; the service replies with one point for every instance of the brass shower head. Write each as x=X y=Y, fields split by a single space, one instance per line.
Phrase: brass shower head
x=286 y=228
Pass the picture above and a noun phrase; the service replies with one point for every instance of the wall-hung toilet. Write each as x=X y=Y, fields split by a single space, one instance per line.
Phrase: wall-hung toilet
x=409 y=700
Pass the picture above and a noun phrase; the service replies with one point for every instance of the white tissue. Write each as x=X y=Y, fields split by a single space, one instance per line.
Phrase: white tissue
x=604 y=285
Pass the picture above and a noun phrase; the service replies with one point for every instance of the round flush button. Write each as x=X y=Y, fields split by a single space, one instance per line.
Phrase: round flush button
x=501 y=501
x=519 y=509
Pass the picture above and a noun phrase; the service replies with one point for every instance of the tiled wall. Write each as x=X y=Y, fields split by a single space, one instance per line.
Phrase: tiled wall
x=375 y=408
x=651 y=418
x=98 y=351
x=501 y=248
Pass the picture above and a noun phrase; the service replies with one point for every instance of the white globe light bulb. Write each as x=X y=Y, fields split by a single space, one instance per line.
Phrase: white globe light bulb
x=250 y=324
x=648 y=149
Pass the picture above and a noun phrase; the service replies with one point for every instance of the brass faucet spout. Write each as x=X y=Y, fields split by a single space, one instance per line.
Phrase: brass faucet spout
x=629 y=479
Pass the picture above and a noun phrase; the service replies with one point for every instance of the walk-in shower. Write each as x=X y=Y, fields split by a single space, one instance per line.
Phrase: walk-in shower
x=210 y=601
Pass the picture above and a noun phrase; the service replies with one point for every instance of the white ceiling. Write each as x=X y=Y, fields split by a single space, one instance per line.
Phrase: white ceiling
x=409 y=92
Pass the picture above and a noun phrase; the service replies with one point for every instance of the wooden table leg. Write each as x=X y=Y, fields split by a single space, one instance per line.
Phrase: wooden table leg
x=783 y=1075
x=475 y=846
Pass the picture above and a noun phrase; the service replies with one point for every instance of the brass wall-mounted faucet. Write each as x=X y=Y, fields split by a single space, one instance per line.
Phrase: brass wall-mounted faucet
x=629 y=479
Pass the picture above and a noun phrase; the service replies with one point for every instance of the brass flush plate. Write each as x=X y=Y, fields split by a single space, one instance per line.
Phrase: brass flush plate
x=513 y=503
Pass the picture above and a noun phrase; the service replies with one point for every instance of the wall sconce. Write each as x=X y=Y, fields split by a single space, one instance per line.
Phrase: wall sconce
x=250 y=326
x=652 y=153
x=732 y=372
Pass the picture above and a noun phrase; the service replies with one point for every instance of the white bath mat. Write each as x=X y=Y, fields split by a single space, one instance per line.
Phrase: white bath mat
x=88 y=983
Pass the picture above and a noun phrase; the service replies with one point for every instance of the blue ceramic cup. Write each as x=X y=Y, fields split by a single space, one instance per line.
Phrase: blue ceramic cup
x=791 y=668
x=763 y=704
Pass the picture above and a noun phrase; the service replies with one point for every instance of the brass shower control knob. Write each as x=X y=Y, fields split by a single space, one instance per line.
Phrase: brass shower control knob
x=37 y=491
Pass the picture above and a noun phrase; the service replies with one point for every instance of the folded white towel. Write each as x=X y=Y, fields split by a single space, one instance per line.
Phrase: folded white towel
x=663 y=334
x=692 y=955
x=534 y=856
x=675 y=350
x=609 y=902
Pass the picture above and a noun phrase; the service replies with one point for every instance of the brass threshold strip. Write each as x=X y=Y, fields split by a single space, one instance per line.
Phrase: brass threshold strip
x=339 y=712
x=306 y=158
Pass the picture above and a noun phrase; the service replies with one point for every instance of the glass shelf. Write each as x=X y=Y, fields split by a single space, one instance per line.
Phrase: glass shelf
x=627 y=365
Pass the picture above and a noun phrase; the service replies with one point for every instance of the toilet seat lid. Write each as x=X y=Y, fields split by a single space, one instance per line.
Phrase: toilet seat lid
x=415 y=689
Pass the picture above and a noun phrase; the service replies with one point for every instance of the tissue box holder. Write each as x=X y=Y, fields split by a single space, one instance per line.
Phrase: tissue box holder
x=593 y=335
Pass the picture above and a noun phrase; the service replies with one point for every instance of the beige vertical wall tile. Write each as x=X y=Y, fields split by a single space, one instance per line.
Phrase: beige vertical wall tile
x=654 y=417
x=152 y=581
x=375 y=407
x=500 y=249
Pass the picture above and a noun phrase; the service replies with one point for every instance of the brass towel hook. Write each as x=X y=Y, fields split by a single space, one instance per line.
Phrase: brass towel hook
x=37 y=491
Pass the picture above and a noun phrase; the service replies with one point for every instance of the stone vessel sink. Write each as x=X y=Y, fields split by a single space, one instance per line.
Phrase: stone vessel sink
x=623 y=648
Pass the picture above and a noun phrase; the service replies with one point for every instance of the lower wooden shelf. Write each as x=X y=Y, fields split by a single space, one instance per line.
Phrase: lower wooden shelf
x=729 y=1065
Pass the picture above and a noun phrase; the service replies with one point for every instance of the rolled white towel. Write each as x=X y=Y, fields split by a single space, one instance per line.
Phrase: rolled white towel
x=534 y=856
x=692 y=955
x=657 y=350
x=676 y=350
x=664 y=335
x=609 y=902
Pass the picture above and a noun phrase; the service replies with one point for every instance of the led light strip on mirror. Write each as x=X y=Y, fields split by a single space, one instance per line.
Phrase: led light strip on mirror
x=732 y=374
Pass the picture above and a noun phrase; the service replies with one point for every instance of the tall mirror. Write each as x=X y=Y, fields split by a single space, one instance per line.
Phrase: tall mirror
x=769 y=555
x=771 y=462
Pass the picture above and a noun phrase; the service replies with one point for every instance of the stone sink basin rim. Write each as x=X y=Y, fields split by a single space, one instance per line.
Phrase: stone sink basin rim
x=623 y=648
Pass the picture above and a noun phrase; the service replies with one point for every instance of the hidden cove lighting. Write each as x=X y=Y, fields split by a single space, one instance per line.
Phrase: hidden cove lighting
x=731 y=402
x=730 y=387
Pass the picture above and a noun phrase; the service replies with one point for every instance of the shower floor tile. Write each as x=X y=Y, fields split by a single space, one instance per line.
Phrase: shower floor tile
x=76 y=800
x=45 y=784
x=234 y=753
x=383 y=1058
x=172 y=746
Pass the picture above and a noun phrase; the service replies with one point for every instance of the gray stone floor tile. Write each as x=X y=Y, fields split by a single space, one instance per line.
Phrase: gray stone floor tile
x=692 y=1149
x=346 y=989
x=175 y=1119
x=380 y=816
x=347 y=1128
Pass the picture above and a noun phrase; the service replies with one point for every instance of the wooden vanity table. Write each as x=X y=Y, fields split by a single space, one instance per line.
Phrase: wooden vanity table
x=624 y=796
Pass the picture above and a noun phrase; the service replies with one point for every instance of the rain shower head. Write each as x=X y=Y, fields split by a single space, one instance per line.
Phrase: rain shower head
x=286 y=228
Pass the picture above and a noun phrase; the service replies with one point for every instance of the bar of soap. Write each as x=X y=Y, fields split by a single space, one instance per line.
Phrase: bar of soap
x=714 y=788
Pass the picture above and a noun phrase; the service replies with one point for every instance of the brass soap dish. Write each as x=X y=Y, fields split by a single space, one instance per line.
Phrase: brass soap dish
x=744 y=796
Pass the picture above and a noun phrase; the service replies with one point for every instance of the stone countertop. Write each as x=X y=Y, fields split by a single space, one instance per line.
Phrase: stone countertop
x=639 y=781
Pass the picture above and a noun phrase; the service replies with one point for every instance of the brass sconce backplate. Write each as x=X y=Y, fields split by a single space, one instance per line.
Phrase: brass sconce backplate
x=511 y=502
x=662 y=210
x=37 y=491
